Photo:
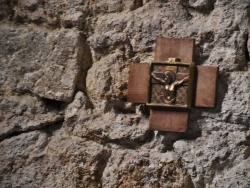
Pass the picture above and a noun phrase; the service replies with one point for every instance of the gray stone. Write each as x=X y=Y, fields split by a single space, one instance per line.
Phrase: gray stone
x=237 y=176
x=64 y=118
x=213 y=155
x=104 y=124
x=42 y=62
x=24 y=113
x=57 y=161
x=134 y=169
x=205 y=5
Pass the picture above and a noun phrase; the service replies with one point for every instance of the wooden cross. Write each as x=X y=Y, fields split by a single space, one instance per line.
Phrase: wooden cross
x=172 y=84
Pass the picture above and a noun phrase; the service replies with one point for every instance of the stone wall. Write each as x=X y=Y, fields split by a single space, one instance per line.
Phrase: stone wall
x=64 y=119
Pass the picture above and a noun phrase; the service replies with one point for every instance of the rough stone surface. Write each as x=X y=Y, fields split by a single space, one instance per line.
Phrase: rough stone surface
x=145 y=169
x=46 y=159
x=40 y=61
x=224 y=153
x=105 y=124
x=64 y=119
x=25 y=113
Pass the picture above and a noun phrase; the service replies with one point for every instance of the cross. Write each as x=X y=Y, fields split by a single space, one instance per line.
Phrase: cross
x=172 y=84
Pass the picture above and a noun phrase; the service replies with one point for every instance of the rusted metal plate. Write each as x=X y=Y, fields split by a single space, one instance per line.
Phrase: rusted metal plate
x=206 y=86
x=164 y=120
x=138 y=84
x=172 y=47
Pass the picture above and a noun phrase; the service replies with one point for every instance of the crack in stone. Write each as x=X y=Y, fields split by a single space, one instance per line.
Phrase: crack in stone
x=247 y=53
x=121 y=143
x=85 y=62
x=43 y=126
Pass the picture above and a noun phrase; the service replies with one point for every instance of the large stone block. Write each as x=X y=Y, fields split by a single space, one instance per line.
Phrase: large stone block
x=60 y=161
x=25 y=113
x=43 y=62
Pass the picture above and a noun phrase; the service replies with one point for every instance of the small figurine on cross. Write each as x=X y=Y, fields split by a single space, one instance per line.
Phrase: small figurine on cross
x=169 y=85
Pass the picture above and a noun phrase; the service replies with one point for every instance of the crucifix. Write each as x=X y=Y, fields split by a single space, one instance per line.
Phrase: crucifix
x=172 y=84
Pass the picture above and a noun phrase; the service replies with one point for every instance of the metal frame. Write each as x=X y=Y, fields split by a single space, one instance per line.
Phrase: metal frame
x=190 y=85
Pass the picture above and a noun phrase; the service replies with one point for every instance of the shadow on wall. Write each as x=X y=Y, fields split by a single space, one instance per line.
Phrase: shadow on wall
x=85 y=62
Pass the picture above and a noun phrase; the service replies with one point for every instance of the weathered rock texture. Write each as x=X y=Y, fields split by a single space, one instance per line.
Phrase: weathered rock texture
x=64 y=119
